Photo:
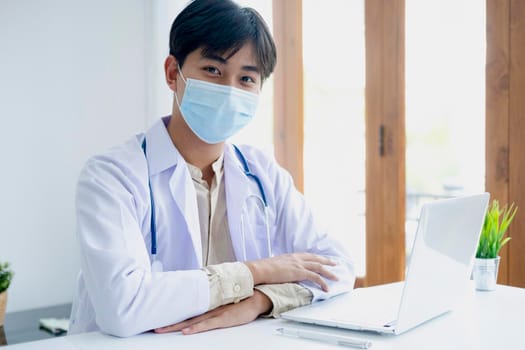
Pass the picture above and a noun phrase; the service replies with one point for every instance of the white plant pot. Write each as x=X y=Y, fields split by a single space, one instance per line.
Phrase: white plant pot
x=485 y=273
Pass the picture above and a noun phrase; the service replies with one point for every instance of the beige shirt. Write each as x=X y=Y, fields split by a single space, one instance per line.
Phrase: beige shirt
x=231 y=281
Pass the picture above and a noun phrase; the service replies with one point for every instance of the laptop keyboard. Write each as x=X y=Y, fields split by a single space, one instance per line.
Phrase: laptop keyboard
x=365 y=308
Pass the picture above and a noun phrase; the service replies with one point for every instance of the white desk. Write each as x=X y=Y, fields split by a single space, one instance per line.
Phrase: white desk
x=487 y=320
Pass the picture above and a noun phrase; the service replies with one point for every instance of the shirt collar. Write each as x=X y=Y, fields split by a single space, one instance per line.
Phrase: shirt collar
x=216 y=166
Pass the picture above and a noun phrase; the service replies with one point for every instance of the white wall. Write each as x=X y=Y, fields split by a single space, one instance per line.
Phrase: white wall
x=72 y=83
x=161 y=16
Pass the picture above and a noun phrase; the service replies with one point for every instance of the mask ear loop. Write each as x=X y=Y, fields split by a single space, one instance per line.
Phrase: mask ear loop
x=185 y=82
x=182 y=75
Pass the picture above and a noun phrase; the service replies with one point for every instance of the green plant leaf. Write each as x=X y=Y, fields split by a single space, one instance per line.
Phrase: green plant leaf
x=505 y=241
x=6 y=275
x=495 y=226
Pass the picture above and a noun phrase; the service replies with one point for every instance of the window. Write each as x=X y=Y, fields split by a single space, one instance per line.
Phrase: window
x=334 y=87
x=445 y=114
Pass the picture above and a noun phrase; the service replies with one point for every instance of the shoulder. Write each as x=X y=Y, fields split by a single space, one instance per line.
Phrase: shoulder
x=123 y=164
x=265 y=166
x=257 y=157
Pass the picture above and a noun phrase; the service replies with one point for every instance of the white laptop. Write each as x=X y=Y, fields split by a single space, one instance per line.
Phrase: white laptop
x=437 y=276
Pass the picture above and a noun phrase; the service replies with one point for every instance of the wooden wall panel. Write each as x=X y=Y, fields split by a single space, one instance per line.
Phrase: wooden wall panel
x=517 y=142
x=505 y=125
x=385 y=140
x=288 y=88
x=497 y=110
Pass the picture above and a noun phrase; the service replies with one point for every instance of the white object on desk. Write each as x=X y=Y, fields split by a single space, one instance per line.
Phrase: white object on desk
x=436 y=280
x=485 y=321
x=55 y=325
x=326 y=337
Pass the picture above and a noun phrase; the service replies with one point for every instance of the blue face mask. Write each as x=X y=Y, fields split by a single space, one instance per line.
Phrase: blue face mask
x=215 y=112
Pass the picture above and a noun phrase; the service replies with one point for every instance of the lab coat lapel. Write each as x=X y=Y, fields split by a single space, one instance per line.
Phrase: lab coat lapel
x=185 y=197
x=237 y=190
x=163 y=155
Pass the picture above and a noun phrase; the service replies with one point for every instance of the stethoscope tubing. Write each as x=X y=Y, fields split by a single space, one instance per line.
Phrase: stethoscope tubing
x=247 y=172
x=153 y=229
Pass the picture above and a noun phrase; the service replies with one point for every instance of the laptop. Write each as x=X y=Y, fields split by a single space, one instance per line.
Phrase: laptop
x=437 y=277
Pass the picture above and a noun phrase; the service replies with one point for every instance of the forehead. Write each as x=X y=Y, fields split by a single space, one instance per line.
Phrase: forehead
x=245 y=55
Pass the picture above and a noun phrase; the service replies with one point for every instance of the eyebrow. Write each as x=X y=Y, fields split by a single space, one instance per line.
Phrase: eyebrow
x=222 y=60
x=251 y=69
x=214 y=57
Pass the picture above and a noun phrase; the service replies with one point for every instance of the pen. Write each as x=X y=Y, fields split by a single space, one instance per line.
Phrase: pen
x=326 y=337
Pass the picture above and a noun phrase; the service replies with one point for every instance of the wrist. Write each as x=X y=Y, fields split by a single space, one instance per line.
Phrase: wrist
x=255 y=270
x=264 y=304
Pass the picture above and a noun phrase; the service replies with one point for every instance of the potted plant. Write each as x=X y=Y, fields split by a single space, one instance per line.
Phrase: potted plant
x=6 y=274
x=492 y=239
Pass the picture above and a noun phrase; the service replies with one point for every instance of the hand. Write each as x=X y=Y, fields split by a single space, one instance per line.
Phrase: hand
x=292 y=268
x=224 y=316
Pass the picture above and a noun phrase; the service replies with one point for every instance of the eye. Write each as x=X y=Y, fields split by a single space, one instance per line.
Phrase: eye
x=248 y=79
x=212 y=70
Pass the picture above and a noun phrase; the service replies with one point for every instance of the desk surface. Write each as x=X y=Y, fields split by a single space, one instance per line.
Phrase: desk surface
x=486 y=320
x=23 y=326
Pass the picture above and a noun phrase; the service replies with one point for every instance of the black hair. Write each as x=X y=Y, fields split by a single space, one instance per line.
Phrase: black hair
x=222 y=27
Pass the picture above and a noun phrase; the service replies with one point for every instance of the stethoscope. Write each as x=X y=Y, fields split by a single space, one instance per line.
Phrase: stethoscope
x=156 y=265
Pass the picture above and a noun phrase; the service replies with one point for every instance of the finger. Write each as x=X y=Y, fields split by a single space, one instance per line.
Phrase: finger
x=321 y=270
x=231 y=315
x=187 y=323
x=204 y=325
x=317 y=258
x=329 y=262
x=168 y=329
x=178 y=326
x=316 y=278
x=223 y=320
x=173 y=328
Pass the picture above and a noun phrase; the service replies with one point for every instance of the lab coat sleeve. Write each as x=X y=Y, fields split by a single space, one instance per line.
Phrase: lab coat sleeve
x=128 y=298
x=296 y=230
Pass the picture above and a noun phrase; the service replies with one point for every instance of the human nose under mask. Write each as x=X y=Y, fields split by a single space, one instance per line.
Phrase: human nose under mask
x=215 y=112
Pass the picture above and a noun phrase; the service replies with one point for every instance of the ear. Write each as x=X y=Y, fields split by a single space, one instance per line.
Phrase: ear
x=171 y=72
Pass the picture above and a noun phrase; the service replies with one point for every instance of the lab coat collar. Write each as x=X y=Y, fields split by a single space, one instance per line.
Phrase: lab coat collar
x=237 y=190
x=161 y=152
x=185 y=197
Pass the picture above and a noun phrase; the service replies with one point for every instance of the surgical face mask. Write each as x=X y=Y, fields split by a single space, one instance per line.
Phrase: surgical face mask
x=215 y=112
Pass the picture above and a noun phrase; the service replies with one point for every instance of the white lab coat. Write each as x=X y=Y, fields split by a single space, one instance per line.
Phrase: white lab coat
x=117 y=292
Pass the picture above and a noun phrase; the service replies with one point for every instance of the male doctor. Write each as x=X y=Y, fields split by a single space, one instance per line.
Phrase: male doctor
x=181 y=231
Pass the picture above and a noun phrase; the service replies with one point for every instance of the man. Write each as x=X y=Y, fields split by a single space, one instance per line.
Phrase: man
x=181 y=231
